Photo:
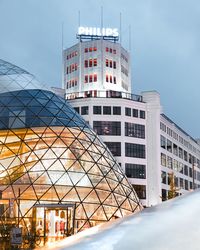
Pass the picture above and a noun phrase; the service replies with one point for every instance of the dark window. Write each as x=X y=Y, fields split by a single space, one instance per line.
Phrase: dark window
x=163 y=142
x=134 y=130
x=175 y=149
x=90 y=63
x=140 y=190
x=114 y=65
x=142 y=114
x=97 y=110
x=190 y=172
x=115 y=148
x=135 y=171
x=84 y=110
x=164 y=194
x=185 y=156
x=114 y=80
x=86 y=78
x=186 y=185
x=95 y=77
x=135 y=112
x=77 y=109
x=106 y=110
x=186 y=172
x=169 y=145
x=164 y=177
x=128 y=111
x=163 y=159
x=107 y=127
x=90 y=78
x=134 y=150
x=86 y=63
x=116 y=110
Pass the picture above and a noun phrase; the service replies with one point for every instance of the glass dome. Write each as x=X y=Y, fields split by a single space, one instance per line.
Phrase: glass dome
x=56 y=175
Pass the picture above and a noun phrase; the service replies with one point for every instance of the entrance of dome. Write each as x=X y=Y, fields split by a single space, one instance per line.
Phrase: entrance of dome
x=53 y=221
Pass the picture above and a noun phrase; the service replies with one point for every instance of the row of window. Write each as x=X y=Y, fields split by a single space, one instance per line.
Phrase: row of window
x=178 y=151
x=124 y=57
x=110 y=50
x=97 y=110
x=167 y=161
x=72 y=83
x=124 y=70
x=90 y=49
x=111 y=79
x=111 y=64
x=72 y=54
x=177 y=137
x=135 y=113
x=91 y=63
x=178 y=182
x=90 y=78
x=71 y=68
x=107 y=127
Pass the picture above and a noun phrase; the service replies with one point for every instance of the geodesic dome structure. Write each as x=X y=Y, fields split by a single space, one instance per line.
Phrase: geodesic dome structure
x=52 y=165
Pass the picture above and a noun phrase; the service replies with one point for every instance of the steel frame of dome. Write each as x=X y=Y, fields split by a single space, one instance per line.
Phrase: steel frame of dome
x=52 y=161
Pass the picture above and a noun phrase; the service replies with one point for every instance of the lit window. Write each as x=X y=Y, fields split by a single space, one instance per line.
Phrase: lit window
x=110 y=79
x=90 y=49
x=107 y=62
x=95 y=77
x=106 y=78
x=107 y=49
x=86 y=78
x=90 y=63
x=90 y=78
x=86 y=63
x=95 y=48
x=95 y=62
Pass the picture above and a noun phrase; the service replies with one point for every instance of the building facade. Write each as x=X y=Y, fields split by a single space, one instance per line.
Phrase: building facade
x=130 y=125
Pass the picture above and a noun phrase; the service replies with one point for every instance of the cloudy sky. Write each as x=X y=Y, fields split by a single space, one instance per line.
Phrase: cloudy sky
x=165 y=44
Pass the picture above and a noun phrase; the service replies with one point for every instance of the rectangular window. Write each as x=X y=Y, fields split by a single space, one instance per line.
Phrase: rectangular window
x=114 y=147
x=86 y=78
x=169 y=162
x=84 y=110
x=140 y=190
x=77 y=109
x=90 y=49
x=134 y=130
x=163 y=159
x=97 y=110
x=135 y=112
x=86 y=50
x=95 y=77
x=107 y=62
x=90 y=78
x=110 y=79
x=134 y=150
x=135 y=171
x=116 y=110
x=107 y=127
x=114 y=80
x=114 y=51
x=95 y=62
x=106 y=110
x=110 y=63
x=164 y=177
x=106 y=78
x=90 y=63
x=142 y=114
x=128 y=111
x=114 y=64
x=163 y=142
x=169 y=146
x=107 y=49
x=95 y=49
x=86 y=63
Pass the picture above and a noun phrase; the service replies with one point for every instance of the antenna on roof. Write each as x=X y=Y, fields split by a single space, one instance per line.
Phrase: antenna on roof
x=129 y=38
x=62 y=54
x=120 y=27
x=79 y=18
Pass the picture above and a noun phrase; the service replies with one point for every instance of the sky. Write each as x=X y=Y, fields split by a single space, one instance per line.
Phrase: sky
x=165 y=47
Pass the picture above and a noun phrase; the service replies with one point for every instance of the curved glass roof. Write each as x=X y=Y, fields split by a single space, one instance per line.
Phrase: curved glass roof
x=14 y=78
x=7 y=68
x=36 y=108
